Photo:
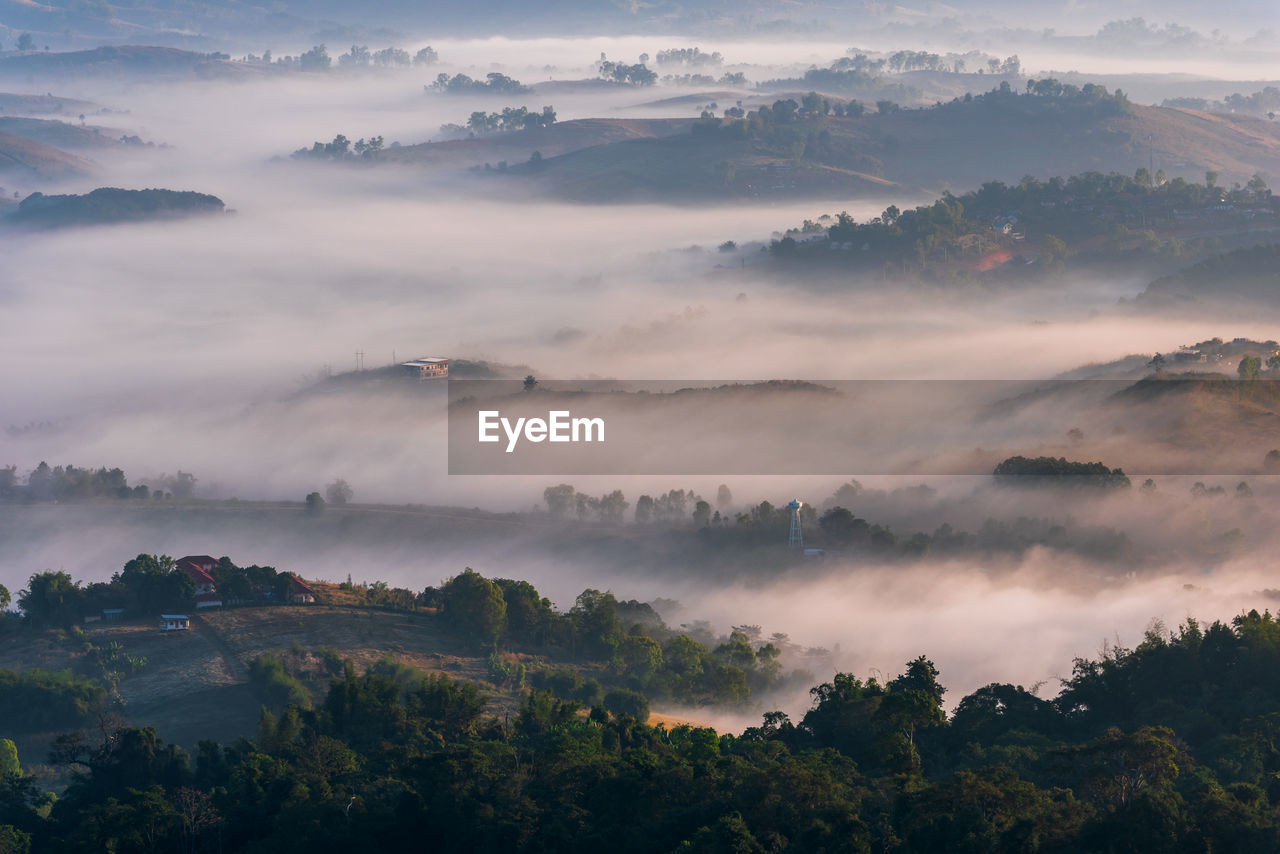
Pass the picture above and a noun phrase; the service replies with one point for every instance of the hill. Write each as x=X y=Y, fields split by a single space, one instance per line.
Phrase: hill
x=692 y=167
x=39 y=105
x=551 y=141
x=1243 y=275
x=999 y=135
x=108 y=60
x=60 y=134
x=109 y=205
x=195 y=684
x=1193 y=423
x=20 y=155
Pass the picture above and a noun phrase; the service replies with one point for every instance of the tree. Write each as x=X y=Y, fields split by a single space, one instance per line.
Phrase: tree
x=5 y=599
x=724 y=498
x=640 y=656
x=9 y=766
x=1250 y=368
x=476 y=606
x=701 y=514
x=644 y=509
x=316 y=59
x=1273 y=363
x=815 y=105
x=530 y=382
x=559 y=499
x=315 y=503
x=26 y=42
x=842 y=528
x=595 y=619
x=1157 y=362
x=1271 y=462
x=613 y=505
x=358 y=56
x=155 y=584
x=338 y=492
x=13 y=840
x=426 y=56
x=51 y=599
x=529 y=616
x=391 y=56
x=1054 y=253
x=620 y=701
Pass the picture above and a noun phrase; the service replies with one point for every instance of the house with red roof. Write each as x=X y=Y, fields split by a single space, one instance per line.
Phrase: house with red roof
x=198 y=567
x=299 y=592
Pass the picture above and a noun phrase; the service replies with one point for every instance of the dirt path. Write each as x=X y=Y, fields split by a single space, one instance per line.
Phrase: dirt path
x=233 y=662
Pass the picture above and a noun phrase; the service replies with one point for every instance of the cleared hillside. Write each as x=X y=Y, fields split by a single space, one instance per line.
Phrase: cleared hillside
x=60 y=134
x=22 y=156
x=41 y=105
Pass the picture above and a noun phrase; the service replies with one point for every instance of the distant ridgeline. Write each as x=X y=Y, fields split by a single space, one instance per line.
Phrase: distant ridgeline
x=1250 y=272
x=109 y=204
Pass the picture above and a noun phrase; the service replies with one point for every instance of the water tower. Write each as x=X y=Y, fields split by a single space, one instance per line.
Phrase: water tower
x=795 y=538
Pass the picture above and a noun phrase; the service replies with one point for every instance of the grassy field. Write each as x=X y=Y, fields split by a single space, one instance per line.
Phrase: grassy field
x=20 y=155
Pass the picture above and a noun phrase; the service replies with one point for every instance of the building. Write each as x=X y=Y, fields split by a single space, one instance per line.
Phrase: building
x=204 y=562
x=299 y=592
x=112 y=615
x=426 y=368
x=174 y=622
x=198 y=567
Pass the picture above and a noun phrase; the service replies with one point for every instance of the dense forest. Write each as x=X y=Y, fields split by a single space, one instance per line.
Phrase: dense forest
x=1167 y=747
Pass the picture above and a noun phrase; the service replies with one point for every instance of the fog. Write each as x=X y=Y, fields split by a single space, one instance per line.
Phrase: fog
x=197 y=345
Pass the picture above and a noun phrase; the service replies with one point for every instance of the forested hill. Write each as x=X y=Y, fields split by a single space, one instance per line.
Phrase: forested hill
x=801 y=145
x=1167 y=747
x=109 y=205
x=1244 y=274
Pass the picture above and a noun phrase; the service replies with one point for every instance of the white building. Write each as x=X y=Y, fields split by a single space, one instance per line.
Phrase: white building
x=427 y=368
x=174 y=622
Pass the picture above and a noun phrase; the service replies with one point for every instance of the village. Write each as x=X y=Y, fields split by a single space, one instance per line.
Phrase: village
x=284 y=588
